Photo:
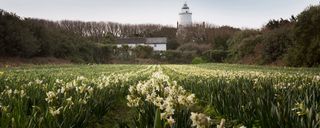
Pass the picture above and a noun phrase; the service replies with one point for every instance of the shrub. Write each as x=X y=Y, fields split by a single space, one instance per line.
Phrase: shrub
x=176 y=56
x=275 y=44
x=198 y=60
x=243 y=44
x=215 y=55
x=143 y=51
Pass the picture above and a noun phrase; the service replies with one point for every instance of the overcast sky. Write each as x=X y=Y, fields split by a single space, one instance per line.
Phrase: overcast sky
x=237 y=13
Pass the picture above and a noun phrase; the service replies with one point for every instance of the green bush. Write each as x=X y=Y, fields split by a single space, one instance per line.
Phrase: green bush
x=243 y=44
x=198 y=60
x=215 y=55
x=176 y=56
x=276 y=43
x=143 y=51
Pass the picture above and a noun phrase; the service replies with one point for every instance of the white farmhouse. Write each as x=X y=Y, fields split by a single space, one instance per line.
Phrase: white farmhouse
x=157 y=43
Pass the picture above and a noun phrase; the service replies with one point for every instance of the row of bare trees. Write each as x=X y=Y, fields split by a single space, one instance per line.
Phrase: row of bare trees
x=100 y=29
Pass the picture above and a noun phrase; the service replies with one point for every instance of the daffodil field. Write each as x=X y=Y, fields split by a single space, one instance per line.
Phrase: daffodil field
x=159 y=96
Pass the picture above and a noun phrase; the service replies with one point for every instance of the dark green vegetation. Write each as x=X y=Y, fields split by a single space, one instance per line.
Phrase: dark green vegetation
x=294 y=42
x=290 y=42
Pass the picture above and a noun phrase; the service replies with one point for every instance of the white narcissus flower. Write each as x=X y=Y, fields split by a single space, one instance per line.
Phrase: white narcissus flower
x=161 y=92
x=316 y=78
x=169 y=110
x=54 y=112
x=193 y=118
x=171 y=121
x=9 y=92
x=16 y=91
x=129 y=98
x=22 y=93
x=61 y=90
x=81 y=89
x=83 y=101
x=158 y=101
x=37 y=81
x=132 y=89
x=4 y=108
x=50 y=96
x=169 y=101
x=181 y=99
x=191 y=99
x=90 y=90
x=163 y=116
x=58 y=81
x=133 y=101
x=222 y=123
x=80 y=78
x=69 y=101
x=200 y=120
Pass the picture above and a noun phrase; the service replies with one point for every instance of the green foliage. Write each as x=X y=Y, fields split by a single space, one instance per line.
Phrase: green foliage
x=123 y=52
x=215 y=55
x=276 y=44
x=16 y=37
x=33 y=38
x=157 y=120
x=143 y=51
x=274 y=24
x=109 y=38
x=243 y=44
x=198 y=60
x=306 y=49
x=172 y=44
x=175 y=56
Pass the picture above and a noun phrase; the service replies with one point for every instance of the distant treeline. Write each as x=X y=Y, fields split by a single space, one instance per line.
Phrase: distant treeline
x=290 y=42
x=87 y=42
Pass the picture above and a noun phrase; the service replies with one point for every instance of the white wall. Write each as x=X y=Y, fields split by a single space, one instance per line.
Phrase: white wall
x=185 y=19
x=156 y=47
x=157 y=43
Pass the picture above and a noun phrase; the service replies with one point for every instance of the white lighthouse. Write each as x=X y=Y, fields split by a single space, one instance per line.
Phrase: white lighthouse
x=185 y=16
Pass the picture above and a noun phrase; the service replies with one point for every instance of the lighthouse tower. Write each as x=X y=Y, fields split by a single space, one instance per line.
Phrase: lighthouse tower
x=185 y=16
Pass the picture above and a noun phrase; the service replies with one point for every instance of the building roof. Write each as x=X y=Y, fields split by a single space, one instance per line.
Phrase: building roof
x=155 y=40
x=130 y=40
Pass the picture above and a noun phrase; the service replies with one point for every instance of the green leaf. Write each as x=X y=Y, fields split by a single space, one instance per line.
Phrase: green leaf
x=157 y=120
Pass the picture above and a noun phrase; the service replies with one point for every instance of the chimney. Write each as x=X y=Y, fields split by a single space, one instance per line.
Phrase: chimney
x=177 y=24
x=204 y=24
